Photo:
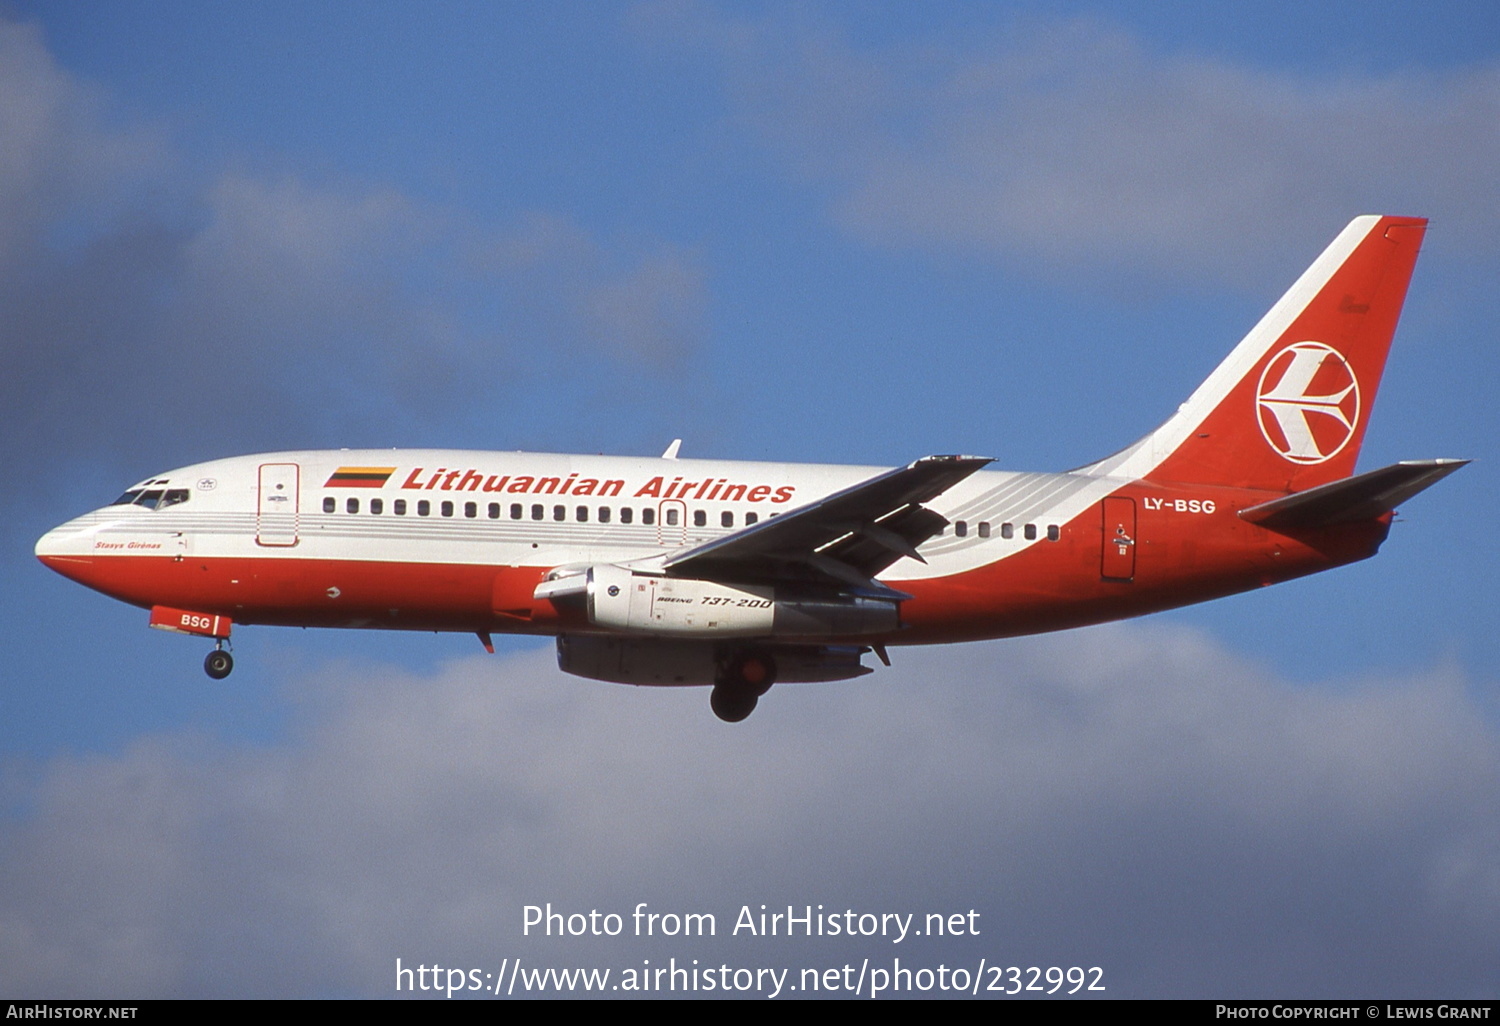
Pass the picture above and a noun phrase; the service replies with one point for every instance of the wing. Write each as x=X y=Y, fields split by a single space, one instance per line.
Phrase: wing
x=843 y=539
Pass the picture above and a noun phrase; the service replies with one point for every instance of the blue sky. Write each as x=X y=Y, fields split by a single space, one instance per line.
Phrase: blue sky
x=841 y=232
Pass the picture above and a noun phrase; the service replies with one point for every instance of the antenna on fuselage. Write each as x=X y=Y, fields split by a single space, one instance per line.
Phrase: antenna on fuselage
x=671 y=453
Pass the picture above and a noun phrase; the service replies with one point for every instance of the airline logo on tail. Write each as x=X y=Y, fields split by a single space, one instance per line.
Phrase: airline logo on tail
x=1307 y=402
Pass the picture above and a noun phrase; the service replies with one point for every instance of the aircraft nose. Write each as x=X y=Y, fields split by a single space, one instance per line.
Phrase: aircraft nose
x=66 y=550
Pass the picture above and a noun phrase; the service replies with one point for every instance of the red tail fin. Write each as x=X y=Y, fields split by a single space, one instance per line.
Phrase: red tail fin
x=1287 y=410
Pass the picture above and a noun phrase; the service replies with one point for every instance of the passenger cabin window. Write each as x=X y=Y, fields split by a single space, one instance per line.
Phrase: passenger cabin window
x=1007 y=530
x=583 y=514
x=447 y=508
x=471 y=510
x=1053 y=532
x=515 y=511
x=538 y=513
x=671 y=518
x=351 y=505
x=329 y=504
x=648 y=516
x=626 y=514
x=398 y=506
x=726 y=519
x=559 y=512
x=984 y=529
x=1031 y=532
x=494 y=511
x=961 y=529
x=700 y=518
x=603 y=514
x=751 y=518
x=377 y=506
x=423 y=507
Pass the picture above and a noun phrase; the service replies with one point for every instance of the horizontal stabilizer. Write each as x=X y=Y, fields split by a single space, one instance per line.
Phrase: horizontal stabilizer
x=1362 y=497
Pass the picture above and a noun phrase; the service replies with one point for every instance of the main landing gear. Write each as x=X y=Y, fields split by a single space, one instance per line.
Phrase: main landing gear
x=219 y=662
x=741 y=682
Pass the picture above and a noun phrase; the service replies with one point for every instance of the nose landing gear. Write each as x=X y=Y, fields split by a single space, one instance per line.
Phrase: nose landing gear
x=204 y=625
x=219 y=662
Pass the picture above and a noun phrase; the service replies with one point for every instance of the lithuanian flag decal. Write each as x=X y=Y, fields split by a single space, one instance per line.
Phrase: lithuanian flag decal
x=360 y=477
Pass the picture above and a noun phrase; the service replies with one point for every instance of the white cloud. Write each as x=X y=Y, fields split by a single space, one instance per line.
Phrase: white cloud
x=1073 y=142
x=150 y=312
x=1131 y=797
x=58 y=153
x=643 y=306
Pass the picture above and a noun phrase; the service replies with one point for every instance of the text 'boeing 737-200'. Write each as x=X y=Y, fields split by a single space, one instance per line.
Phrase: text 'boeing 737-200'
x=738 y=575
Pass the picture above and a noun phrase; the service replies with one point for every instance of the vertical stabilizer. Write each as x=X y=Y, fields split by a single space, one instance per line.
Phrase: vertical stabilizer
x=1287 y=410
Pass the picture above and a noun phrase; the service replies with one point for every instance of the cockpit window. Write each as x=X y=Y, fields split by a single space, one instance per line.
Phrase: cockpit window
x=153 y=498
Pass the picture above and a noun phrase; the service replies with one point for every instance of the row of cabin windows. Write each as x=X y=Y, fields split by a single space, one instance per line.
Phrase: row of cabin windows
x=518 y=511
x=605 y=514
x=1029 y=531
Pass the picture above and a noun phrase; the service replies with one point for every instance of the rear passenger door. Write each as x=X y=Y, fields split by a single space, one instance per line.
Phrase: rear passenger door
x=1118 y=559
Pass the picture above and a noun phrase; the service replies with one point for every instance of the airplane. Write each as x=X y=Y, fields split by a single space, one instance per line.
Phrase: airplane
x=737 y=575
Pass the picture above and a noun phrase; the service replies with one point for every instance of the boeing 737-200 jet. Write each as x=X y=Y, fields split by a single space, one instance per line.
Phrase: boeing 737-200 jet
x=737 y=575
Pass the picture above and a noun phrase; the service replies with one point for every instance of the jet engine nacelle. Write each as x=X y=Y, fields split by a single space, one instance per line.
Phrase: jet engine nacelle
x=620 y=599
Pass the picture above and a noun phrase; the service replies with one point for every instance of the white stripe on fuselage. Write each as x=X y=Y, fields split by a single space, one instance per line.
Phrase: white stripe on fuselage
x=221 y=521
